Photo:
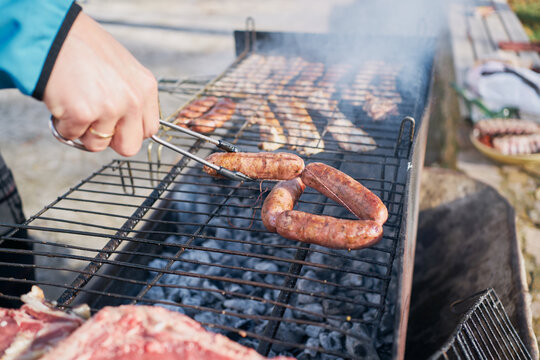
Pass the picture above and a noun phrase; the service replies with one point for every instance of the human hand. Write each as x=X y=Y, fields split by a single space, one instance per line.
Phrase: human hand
x=97 y=88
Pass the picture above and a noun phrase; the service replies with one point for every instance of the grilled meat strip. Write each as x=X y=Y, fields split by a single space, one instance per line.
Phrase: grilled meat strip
x=257 y=111
x=302 y=134
x=348 y=136
x=379 y=108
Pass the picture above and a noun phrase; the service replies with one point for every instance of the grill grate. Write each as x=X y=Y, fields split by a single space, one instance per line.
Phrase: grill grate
x=152 y=232
x=484 y=333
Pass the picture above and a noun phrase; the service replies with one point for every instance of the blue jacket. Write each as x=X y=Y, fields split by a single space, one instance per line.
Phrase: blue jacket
x=31 y=35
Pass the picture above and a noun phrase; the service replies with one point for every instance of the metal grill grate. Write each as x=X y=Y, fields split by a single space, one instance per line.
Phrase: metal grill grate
x=151 y=232
x=484 y=333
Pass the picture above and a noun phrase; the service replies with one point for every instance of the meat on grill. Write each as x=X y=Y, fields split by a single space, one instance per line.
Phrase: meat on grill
x=348 y=136
x=517 y=144
x=134 y=332
x=379 y=108
x=263 y=165
x=302 y=134
x=270 y=129
x=278 y=215
x=328 y=231
x=34 y=329
x=346 y=191
x=282 y=197
x=494 y=127
x=215 y=118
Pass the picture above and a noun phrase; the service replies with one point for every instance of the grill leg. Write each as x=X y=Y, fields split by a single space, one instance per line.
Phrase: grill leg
x=11 y=213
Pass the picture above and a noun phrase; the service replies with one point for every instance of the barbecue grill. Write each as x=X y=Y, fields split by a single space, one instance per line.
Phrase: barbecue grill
x=153 y=232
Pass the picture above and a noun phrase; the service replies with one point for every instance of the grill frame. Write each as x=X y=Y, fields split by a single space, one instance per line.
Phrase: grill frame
x=87 y=286
x=485 y=331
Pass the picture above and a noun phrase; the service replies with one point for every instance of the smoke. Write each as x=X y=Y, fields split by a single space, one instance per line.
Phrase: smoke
x=409 y=18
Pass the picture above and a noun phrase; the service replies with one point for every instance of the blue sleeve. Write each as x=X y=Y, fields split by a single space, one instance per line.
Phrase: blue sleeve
x=31 y=35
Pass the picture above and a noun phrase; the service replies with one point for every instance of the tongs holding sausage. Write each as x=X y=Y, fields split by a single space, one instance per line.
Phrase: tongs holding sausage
x=224 y=145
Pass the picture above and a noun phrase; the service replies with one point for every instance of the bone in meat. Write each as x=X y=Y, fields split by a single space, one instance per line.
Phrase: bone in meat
x=34 y=329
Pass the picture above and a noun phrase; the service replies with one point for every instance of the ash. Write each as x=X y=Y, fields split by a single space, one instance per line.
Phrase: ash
x=337 y=329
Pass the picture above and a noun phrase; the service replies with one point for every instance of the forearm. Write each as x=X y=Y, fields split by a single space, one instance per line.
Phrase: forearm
x=31 y=35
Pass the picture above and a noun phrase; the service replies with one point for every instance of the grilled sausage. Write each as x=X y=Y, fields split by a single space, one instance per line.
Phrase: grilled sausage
x=346 y=191
x=282 y=197
x=215 y=118
x=328 y=231
x=191 y=114
x=263 y=165
x=182 y=121
x=203 y=125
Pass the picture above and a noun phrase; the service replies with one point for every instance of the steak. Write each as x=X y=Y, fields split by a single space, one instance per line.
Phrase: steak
x=136 y=332
x=29 y=332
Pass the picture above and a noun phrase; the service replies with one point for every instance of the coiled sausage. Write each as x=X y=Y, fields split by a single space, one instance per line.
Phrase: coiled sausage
x=346 y=191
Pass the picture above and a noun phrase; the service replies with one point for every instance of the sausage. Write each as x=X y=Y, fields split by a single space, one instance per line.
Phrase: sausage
x=208 y=101
x=189 y=113
x=263 y=165
x=215 y=118
x=282 y=197
x=203 y=125
x=198 y=107
x=328 y=231
x=346 y=191
x=182 y=121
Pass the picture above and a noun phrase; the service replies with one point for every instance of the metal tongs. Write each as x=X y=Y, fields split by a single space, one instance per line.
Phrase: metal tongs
x=224 y=145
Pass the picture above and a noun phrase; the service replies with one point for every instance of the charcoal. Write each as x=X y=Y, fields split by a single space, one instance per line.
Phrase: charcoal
x=314 y=343
x=176 y=294
x=271 y=279
x=309 y=287
x=361 y=347
x=205 y=317
x=265 y=266
x=171 y=307
x=290 y=333
x=351 y=280
x=313 y=308
x=357 y=343
x=373 y=298
x=250 y=307
x=156 y=293
x=313 y=331
x=331 y=341
x=193 y=300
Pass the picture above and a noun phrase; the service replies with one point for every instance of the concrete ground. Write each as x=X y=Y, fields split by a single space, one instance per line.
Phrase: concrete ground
x=176 y=39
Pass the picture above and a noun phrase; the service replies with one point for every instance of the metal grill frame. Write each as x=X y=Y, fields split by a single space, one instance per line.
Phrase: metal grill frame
x=86 y=287
x=485 y=332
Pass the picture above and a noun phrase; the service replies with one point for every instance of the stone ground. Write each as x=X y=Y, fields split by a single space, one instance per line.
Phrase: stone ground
x=175 y=39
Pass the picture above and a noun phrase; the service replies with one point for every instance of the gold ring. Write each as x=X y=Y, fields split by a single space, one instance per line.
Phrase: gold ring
x=100 y=134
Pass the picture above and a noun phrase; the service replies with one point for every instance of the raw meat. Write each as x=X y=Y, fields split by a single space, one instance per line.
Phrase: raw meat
x=34 y=329
x=133 y=332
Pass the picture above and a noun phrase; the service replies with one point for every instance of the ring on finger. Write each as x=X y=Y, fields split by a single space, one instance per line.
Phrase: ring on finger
x=100 y=134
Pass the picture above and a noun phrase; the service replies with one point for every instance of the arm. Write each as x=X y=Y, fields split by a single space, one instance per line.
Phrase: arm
x=83 y=75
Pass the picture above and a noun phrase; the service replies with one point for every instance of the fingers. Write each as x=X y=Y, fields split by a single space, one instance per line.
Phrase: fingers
x=114 y=94
x=150 y=108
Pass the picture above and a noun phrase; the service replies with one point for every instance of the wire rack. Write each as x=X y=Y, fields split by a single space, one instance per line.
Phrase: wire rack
x=485 y=332
x=138 y=228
